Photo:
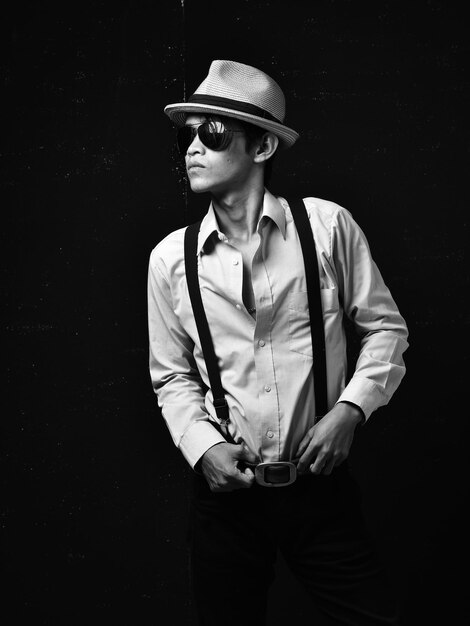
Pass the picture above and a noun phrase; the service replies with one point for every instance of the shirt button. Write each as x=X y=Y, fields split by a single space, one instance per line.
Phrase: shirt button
x=235 y=262
x=267 y=388
x=270 y=434
x=238 y=306
x=261 y=343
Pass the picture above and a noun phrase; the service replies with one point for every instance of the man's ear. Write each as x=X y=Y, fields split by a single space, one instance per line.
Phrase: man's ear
x=266 y=148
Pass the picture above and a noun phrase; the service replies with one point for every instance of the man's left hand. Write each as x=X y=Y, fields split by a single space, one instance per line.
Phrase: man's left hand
x=327 y=443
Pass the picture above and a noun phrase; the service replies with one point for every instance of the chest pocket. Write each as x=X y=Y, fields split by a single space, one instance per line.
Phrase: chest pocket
x=300 y=339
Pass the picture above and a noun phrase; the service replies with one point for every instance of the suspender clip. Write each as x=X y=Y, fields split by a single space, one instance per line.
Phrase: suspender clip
x=221 y=408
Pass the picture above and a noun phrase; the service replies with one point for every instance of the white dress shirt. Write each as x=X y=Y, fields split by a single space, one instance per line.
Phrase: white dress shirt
x=266 y=363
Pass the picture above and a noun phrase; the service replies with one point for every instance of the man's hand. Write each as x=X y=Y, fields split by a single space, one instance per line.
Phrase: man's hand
x=327 y=443
x=219 y=465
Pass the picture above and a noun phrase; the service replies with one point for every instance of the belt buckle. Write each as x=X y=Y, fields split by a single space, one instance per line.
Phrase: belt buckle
x=262 y=470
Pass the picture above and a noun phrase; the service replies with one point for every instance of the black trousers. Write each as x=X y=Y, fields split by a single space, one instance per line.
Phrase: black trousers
x=317 y=524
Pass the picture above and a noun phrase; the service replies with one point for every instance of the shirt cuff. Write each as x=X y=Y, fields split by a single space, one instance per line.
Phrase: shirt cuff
x=197 y=439
x=363 y=392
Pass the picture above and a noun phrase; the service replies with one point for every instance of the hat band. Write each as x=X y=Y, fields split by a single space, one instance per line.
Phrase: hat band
x=236 y=105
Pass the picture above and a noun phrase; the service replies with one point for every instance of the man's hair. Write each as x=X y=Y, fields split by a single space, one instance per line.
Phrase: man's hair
x=253 y=136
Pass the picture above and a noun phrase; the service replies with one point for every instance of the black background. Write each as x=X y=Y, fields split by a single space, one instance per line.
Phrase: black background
x=95 y=496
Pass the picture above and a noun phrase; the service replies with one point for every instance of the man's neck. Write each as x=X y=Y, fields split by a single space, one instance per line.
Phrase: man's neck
x=238 y=213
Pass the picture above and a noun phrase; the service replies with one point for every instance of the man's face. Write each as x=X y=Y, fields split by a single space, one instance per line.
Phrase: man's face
x=222 y=171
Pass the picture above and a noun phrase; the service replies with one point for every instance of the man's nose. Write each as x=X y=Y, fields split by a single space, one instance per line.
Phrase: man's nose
x=196 y=146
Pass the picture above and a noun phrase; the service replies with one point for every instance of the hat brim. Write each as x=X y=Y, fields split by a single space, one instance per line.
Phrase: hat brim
x=178 y=112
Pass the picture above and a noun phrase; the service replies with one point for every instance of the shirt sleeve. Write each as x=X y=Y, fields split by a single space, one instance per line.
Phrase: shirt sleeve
x=369 y=305
x=173 y=371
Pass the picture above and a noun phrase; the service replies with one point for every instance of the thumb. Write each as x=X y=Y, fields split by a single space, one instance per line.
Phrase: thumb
x=243 y=453
x=247 y=478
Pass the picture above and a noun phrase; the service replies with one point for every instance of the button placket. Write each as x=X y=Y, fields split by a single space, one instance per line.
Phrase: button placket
x=236 y=276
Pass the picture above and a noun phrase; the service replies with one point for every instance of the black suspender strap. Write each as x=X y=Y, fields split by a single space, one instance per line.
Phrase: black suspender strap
x=312 y=275
x=192 y=278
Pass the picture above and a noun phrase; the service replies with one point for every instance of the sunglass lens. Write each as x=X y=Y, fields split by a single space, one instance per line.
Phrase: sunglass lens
x=213 y=135
x=184 y=138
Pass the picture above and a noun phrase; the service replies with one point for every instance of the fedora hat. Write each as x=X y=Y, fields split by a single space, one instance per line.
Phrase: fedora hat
x=242 y=92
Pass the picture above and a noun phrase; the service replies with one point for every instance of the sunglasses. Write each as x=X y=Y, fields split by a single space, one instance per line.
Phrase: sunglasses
x=212 y=134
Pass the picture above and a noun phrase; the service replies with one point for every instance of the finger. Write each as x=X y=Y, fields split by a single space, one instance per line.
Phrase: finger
x=243 y=453
x=306 y=457
x=246 y=478
x=304 y=443
x=317 y=466
x=302 y=447
x=329 y=466
x=247 y=455
x=304 y=461
x=216 y=487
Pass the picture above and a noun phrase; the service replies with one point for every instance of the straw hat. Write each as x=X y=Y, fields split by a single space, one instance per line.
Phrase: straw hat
x=240 y=91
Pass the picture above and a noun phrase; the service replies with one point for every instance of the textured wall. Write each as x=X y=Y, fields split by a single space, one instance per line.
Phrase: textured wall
x=95 y=504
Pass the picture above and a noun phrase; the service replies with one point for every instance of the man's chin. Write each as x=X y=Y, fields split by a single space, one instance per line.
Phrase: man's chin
x=198 y=186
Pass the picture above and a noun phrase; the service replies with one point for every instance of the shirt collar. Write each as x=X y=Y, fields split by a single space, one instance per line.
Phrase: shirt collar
x=272 y=209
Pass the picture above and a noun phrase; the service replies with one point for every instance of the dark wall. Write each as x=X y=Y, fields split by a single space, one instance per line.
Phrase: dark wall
x=95 y=496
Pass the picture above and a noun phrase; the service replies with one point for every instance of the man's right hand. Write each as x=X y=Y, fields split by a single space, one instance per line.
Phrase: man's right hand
x=219 y=465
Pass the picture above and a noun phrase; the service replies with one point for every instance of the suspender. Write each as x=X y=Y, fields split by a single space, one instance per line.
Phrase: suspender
x=317 y=330
x=192 y=278
x=312 y=276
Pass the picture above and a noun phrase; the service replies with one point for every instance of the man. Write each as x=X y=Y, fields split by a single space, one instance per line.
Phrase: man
x=252 y=281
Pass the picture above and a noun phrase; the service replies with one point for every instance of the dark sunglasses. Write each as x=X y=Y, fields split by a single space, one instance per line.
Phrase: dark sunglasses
x=213 y=134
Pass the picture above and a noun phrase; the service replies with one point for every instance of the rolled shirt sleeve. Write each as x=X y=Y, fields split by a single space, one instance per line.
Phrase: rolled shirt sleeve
x=368 y=303
x=173 y=371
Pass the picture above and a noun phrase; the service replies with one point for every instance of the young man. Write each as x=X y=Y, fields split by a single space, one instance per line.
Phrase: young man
x=252 y=280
